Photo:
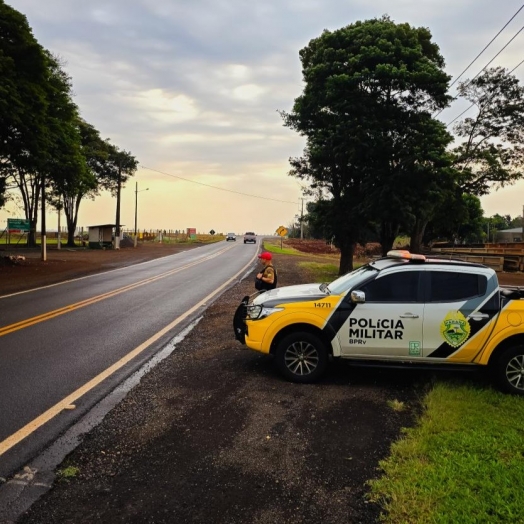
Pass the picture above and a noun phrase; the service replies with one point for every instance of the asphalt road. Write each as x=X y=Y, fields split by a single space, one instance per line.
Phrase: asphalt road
x=64 y=347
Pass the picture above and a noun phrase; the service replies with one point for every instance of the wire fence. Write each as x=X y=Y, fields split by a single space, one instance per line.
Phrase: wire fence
x=81 y=237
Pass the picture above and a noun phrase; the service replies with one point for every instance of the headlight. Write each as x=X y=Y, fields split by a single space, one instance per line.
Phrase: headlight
x=259 y=312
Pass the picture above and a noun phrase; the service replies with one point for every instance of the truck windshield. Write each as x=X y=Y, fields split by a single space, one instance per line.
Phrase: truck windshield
x=351 y=280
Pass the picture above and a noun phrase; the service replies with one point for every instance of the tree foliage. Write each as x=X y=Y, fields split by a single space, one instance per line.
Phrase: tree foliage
x=491 y=152
x=369 y=87
x=44 y=144
x=23 y=102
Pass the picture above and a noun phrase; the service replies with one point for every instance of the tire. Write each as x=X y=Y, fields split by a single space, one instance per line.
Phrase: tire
x=509 y=370
x=301 y=357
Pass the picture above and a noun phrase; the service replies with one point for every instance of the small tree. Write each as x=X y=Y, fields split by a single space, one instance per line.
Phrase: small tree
x=491 y=152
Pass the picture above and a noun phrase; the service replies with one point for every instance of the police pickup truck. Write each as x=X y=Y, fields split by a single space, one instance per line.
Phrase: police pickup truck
x=400 y=309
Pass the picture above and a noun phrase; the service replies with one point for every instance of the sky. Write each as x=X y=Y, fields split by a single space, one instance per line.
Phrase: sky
x=193 y=89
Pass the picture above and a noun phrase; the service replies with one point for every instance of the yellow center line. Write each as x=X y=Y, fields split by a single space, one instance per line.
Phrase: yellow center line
x=72 y=307
x=52 y=412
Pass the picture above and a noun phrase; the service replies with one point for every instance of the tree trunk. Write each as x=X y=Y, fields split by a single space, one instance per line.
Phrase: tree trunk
x=31 y=236
x=388 y=233
x=33 y=221
x=346 y=258
x=417 y=234
x=71 y=206
x=71 y=227
x=30 y=188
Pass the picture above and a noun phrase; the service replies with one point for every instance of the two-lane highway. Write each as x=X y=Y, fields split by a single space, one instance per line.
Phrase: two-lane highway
x=63 y=347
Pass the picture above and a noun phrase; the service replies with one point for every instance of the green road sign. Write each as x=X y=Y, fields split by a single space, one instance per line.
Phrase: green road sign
x=17 y=224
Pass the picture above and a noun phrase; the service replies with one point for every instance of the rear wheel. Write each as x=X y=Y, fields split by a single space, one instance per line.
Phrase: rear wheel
x=509 y=370
x=301 y=357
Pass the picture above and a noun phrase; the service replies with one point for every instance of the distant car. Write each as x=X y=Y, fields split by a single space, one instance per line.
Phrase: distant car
x=231 y=236
x=250 y=237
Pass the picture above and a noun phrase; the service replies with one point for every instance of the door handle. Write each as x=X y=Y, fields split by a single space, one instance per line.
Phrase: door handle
x=408 y=315
x=479 y=316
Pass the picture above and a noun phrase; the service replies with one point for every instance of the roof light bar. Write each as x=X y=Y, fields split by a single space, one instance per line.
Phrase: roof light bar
x=405 y=254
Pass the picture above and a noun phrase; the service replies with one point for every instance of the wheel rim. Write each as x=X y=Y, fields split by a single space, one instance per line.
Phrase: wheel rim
x=301 y=358
x=515 y=372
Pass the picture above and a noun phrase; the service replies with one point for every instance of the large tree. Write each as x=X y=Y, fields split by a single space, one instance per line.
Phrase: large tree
x=23 y=101
x=489 y=154
x=59 y=156
x=365 y=87
x=71 y=190
x=108 y=169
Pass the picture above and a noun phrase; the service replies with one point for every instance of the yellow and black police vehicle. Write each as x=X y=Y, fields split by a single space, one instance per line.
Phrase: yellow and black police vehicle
x=400 y=309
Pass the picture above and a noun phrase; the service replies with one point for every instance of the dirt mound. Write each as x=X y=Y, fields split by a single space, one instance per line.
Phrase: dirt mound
x=323 y=247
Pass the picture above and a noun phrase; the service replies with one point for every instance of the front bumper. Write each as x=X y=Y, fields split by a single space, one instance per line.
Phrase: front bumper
x=239 y=321
x=250 y=333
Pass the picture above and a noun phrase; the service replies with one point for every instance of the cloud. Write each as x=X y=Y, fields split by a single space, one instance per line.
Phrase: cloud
x=192 y=87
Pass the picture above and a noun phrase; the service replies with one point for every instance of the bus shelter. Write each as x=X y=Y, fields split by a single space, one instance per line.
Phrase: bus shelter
x=101 y=236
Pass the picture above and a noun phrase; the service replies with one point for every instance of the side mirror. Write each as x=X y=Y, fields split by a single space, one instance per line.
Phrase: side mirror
x=358 y=297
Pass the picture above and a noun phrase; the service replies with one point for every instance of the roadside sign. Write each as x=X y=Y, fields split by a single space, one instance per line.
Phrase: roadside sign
x=17 y=225
x=282 y=231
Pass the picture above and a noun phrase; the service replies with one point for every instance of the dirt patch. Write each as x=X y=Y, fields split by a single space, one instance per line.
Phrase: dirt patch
x=322 y=247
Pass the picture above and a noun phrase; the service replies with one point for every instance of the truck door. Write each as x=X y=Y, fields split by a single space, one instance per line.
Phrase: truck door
x=459 y=307
x=389 y=323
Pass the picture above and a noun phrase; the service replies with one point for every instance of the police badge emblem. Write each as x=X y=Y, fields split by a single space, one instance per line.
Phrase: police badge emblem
x=455 y=328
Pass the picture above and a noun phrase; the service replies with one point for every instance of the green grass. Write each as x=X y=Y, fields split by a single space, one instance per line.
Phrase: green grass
x=320 y=272
x=274 y=247
x=462 y=463
x=67 y=473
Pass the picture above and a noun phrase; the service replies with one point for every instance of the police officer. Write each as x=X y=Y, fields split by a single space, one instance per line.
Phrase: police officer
x=267 y=278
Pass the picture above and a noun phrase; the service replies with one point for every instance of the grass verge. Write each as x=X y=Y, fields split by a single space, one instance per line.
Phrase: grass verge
x=320 y=272
x=463 y=462
x=274 y=247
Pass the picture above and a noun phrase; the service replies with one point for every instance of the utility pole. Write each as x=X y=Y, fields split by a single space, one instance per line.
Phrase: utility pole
x=59 y=240
x=136 y=213
x=136 y=210
x=117 y=224
x=302 y=220
x=43 y=235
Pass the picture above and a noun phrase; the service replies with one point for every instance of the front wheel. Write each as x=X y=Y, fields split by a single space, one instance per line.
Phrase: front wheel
x=509 y=370
x=301 y=357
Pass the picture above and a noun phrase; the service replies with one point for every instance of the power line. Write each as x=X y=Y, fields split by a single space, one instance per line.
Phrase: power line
x=511 y=40
x=518 y=65
x=220 y=188
x=489 y=43
x=466 y=110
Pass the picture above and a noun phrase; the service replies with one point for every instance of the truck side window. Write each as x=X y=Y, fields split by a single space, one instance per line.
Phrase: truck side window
x=447 y=286
x=397 y=287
